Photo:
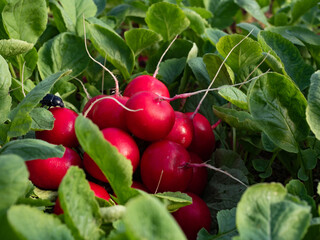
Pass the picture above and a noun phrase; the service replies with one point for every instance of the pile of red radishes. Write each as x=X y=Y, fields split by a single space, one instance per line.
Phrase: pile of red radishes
x=143 y=126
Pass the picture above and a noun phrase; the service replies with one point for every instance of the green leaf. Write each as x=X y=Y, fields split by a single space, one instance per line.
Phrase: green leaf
x=166 y=19
x=254 y=9
x=214 y=35
x=230 y=159
x=139 y=39
x=42 y=119
x=25 y=20
x=30 y=149
x=13 y=180
x=237 y=119
x=288 y=56
x=174 y=200
x=21 y=120
x=171 y=69
x=114 y=165
x=13 y=47
x=313 y=108
x=80 y=208
x=264 y=213
x=32 y=224
x=247 y=53
x=300 y=7
x=5 y=83
x=65 y=51
x=223 y=12
x=248 y=27
x=69 y=14
x=278 y=106
x=197 y=23
x=147 y=218
x=227 y=224
x=235 y=96
x=213 y=63
x=112 y=47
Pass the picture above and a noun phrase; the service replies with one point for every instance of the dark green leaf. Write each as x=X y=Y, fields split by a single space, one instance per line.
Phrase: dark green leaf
x=166 y=19
x=25 y=20
x=278 y=106
x=111 y=46
x=248 y=27
x=288 y=56
x=264 y=213
x=114 y=165
x=214 y=35
x=71 y=13
x=313 y=108
x=237 y=119
x=42 y=119
x=13 y=47
x=300 y=7
x=174 y=200
x=147 y=218
x=230 y=159
x=254 y=9
x=13 y=180
x=139 y=39
x=171 y=69
x=5 y=83
x=32 y=224
x=30 y=149
x=247 y=53
x=21 y=120
x=227 y=224
x=80 y=208
x=65 y=51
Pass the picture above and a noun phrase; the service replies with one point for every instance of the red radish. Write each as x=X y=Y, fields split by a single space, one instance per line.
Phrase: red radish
x=98 y=190
x=63 y=130
x=182 y=130
x=193 y=217
x=203 y=142
x=125 y=145
x=146 y=83
x=154 y=121
x=139 y=185
x=163 y=167
x=48 y=173
x=88 y=104
x=108 y=113
x=199 y=177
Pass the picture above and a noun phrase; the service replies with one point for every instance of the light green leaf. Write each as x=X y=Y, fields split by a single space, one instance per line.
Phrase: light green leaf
x=139 y=39
x=247 y=53
x=70 y=14
x=80 y=208
x=20 y=118
x=114 y=165
x=264 y=213
x=227 y=224
x=58 y=54
x=147 y=218
x=174 y=200
x=235 y=96
x=313 y=108
x=5 y=83
x=214 y=35
x=288 y=56
x=32 y=224
x=248 y=27
x=197 y=23
x=25 y=20
x=112 y=47
x=13 y=47
x=278 y=106
x=213 y=63
x=13 y=180
x=42 y=119
x=254 y=9
x=166 y=19
x=300 y=7
x=30 y=149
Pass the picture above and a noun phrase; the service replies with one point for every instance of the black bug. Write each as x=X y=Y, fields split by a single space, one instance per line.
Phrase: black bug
x=51 y=100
